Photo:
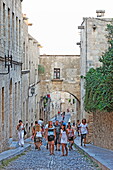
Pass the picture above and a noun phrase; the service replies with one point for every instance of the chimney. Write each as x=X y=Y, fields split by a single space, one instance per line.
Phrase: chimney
x=100 y=13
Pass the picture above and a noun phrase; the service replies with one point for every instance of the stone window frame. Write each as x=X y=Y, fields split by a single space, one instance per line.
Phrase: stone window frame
x=56 y=73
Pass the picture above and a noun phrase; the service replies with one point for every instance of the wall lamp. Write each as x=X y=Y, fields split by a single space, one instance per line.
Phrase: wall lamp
x=94 y=27
x=78 y=43
x=32 y=91
x=8 y=63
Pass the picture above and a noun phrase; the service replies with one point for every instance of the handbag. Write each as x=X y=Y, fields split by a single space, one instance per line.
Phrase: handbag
x=25 y=132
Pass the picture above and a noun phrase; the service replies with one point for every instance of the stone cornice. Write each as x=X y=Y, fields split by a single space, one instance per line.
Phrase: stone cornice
x=57 y=80
x=13 y=61
x=25 y=71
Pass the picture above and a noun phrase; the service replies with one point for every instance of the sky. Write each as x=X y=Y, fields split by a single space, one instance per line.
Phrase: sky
x=55 y=22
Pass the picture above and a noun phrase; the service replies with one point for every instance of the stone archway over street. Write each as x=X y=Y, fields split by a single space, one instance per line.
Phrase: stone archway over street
x=60 y=73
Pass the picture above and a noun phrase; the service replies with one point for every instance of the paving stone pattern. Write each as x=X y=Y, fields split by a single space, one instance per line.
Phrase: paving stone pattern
x=41 y=160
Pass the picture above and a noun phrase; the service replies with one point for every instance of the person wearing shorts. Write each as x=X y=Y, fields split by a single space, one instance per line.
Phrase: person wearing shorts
x=37 y=135
x=51 y=135
x=70 y=136
x=57 y=130
x=84 y=131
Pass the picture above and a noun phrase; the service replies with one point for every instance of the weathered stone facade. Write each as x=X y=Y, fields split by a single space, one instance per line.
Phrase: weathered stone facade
x=103 y=129
x=10 y=83
x=18 y=73
x=69 y=80
x=61 y=74
x=30 y=89
x=93 y=43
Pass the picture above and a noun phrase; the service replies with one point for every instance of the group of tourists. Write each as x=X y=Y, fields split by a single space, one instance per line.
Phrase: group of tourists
x=59 y=135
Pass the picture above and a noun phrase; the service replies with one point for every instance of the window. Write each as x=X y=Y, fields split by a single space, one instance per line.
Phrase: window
x=16 y=32
x=3 y=110
x=15 y=98
x=8 y=28
x=13 y=31
x=19 y=33
x=4 y=17
x=56 y=73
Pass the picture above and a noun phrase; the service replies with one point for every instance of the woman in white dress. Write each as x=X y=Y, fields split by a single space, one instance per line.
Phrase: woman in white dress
x=64 y=140
x=20 y=128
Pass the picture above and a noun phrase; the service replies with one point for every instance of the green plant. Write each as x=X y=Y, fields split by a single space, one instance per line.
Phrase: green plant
x=41 y=69
x=6 y=162
x=99 y=81
x=69 y=100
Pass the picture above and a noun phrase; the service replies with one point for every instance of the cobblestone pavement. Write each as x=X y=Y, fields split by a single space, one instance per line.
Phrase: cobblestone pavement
x=41 y=160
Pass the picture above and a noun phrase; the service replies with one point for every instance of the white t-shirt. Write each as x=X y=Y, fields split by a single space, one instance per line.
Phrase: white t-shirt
x=63 y=137
x=50 y=130
x=46 y=126
x=84 y=128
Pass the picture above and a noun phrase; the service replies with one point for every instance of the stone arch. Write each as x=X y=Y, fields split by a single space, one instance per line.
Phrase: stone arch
x=68 y=67
x=51 y=113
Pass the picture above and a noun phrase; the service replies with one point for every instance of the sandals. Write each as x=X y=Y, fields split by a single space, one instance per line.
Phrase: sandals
x=62 y=155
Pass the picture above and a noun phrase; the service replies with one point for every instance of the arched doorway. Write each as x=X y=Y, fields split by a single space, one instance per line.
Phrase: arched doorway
x=58 y=102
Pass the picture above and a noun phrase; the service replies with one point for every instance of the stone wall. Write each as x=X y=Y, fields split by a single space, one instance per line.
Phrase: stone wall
x=10 y=83
x=93 y=43
x=69 y=80
x=103 y=129
x=30 y=63
x=15 y=86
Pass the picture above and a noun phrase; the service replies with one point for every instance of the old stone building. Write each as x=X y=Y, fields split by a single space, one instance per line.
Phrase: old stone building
x=10 y=69
x=93 y=43
x=19 y=59
x=30 y=90
x=60 y=74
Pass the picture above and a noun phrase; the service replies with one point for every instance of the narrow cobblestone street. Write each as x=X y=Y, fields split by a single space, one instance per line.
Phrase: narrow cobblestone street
x=41 y=160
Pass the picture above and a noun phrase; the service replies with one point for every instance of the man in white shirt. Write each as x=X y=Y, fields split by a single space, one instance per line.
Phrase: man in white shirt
x=83 y=131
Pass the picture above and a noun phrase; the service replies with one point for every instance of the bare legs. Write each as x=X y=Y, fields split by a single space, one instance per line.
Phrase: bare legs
x=38 y=145
x=71 y=144
x=64 y=148
x=83 y=137
x=51 y=147
x=58 y=146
